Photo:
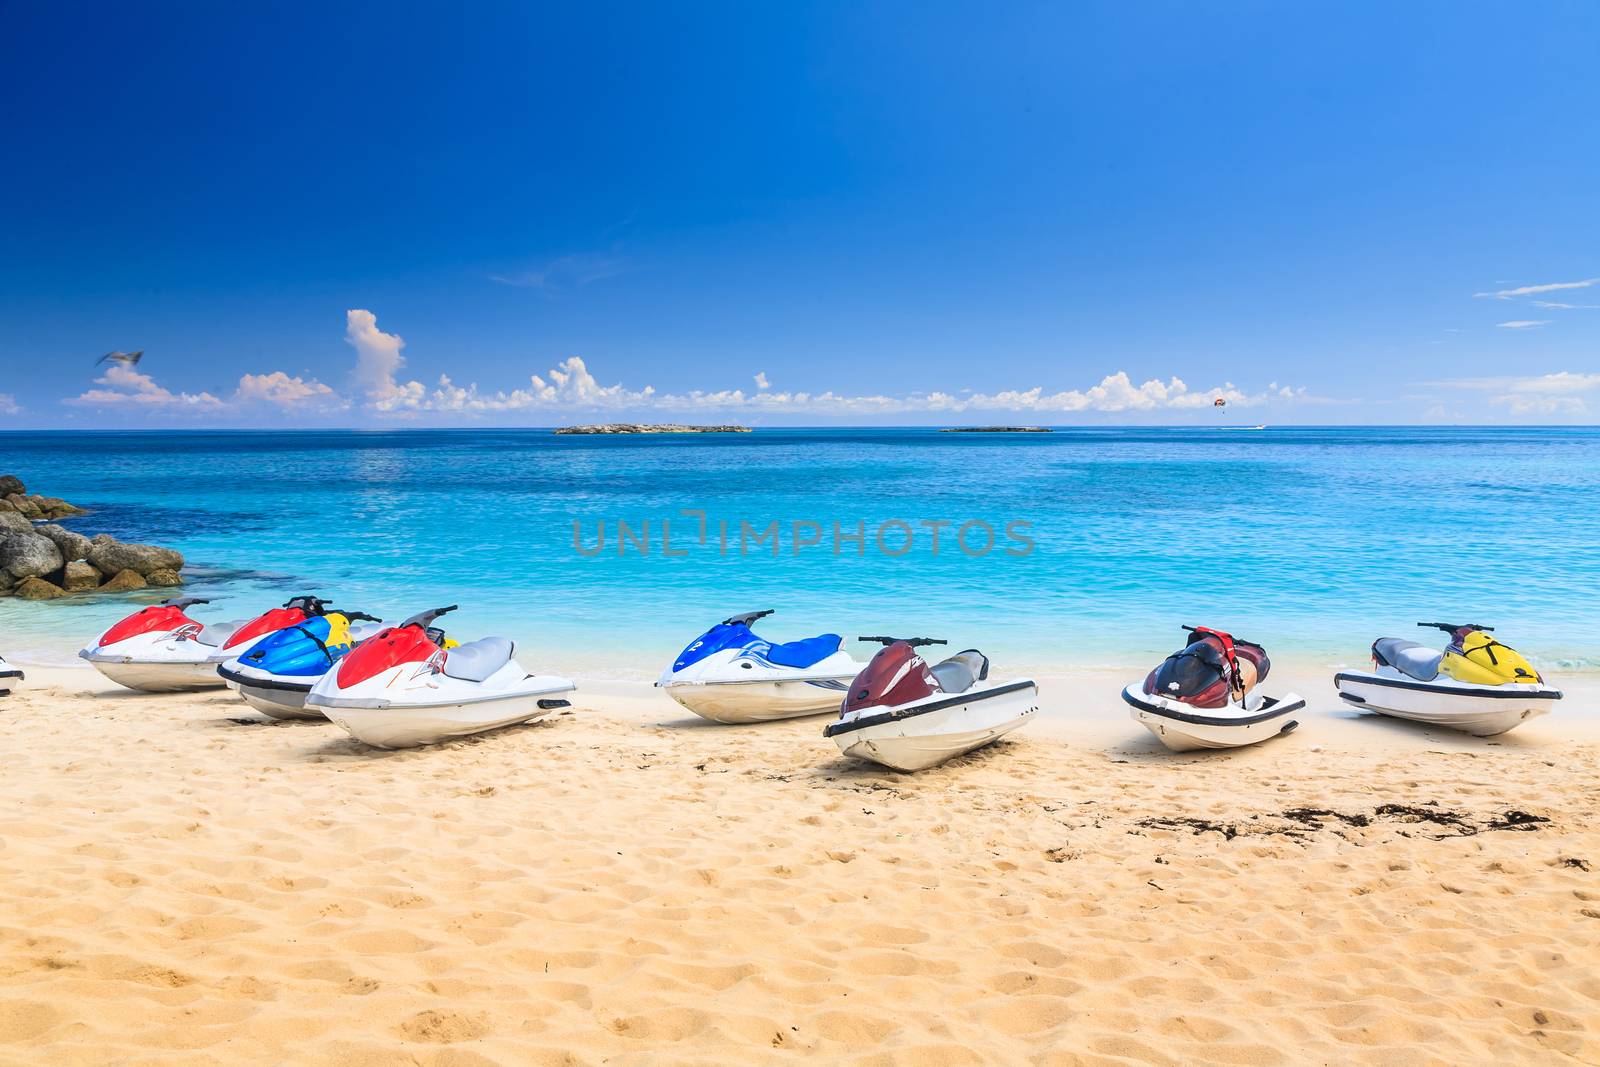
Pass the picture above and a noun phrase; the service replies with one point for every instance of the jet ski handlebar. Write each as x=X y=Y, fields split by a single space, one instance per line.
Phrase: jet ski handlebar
x=914 y=642
x=1452 y=627
x=354 y=615
x=185 y=601
x=311 y=605
x=748 y=617
x=425 y=619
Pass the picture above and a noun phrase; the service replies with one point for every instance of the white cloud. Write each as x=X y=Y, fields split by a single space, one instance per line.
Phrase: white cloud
x=1560 y=393
x=565 y=272
x=8 y=405
x=1530 y=290
x=1553 y=306
x=1523 y=324
x=761 y=380
x=378 y=360
x=280 y=389
x=126 y=385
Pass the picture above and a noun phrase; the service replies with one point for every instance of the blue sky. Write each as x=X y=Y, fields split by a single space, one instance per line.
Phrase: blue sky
x=803 y=214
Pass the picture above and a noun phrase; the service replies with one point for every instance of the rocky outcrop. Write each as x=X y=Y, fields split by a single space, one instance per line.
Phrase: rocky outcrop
x=73 y=545
x=38 y=589
x=28 y=555
x=42 y=560
x=123 y=582
x=110 y=557
x=638 y=427
x=997 y=429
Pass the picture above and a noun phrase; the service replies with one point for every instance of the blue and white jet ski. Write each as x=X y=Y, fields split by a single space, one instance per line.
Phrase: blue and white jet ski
x=728 y=674
x=275 y=675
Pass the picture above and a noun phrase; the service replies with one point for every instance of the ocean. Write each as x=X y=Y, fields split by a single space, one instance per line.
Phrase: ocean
x=1081 y=548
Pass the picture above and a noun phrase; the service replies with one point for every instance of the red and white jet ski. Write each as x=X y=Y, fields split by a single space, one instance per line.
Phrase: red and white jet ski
x=160 y=649
x=411 y=685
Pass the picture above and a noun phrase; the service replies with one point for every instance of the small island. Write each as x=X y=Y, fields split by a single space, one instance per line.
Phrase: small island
x=638 y=427
x=997 y=429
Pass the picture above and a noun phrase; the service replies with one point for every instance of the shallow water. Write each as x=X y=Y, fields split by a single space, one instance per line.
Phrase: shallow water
x=1311 y=541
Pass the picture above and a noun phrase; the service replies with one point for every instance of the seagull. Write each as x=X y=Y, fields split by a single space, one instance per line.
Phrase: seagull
x=128 y=358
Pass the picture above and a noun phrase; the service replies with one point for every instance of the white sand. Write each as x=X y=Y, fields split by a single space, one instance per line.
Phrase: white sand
x=181 y=882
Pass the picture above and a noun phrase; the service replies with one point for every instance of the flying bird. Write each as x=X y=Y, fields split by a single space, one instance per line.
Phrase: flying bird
x=128 y=358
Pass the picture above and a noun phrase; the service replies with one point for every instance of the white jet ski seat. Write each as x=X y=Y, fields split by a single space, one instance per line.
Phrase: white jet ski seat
x=1411 y=658
x=961 y=671
x=475 y=661
x=360 y=631
x=216 y=633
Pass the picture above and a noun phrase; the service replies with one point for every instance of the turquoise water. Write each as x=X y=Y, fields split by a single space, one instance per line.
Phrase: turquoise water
x=1311 y=541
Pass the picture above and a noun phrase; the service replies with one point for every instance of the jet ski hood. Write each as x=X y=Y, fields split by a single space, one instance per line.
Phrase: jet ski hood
x=732 y=651
x=307 y=649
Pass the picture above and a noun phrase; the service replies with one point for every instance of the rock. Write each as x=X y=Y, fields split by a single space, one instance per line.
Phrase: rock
x=164 y=577
x=102 y=539
x=78 y=577
x=28 y=555
x=124 y=581
x=24 y=505
x=7 y=583
x=53 y=507
x=73 y=545
x=38 y=589
x=10 y=483
x=111 y=557
x=12 y=521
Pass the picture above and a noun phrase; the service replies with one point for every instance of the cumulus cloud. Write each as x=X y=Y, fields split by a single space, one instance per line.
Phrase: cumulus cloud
x=1523 y=324
x=1561 y=393
x=761 y=380
x=279 y=389
x=8 y=405
x=1532 y=290
x=122 y=385
x=378 y=360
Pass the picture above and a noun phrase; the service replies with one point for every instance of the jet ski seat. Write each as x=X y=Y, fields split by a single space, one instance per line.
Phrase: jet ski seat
x=218 y=632
x=805 y=652
x=1410 y=658
x=961 y=671
x=360 y=631
x=475 y=661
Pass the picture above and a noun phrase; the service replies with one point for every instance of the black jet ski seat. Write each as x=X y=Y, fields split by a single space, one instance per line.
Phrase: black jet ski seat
x=961 y=671
x=475 y=661
x=1411 y=658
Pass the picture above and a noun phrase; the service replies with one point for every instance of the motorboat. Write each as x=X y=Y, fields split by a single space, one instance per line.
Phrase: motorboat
x=1205 y=695
x=276 y=674
x=161 y=649
x=412 y=685
x=730 y=675
x=10 y=677
x=909 y=716
x=1475 y=684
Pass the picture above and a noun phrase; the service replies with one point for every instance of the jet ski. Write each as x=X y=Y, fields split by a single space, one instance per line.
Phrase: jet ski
x=160 y=649
x=1204 y=695
x=276 y=674
x=411 y=685
x=730 y=675
x=10 y=677
x=909 y=716
x=1476 y=684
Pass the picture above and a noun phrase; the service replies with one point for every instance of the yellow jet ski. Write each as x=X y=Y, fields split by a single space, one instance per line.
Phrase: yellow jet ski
x=1476 y=684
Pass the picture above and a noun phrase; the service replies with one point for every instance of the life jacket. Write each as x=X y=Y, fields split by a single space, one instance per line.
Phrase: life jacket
x=1211 y=669
x=1475 y=656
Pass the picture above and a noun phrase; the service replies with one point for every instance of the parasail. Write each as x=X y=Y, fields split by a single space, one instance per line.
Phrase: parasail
x=1220 y=402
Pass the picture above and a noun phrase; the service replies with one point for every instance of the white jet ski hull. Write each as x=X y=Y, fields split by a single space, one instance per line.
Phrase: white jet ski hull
x=760 y=701
x=928 y=732
x=400 y=726
x=156 y=676
x=272 y=696
x=1184 y=728
x=10 y=678
x=1480 y=710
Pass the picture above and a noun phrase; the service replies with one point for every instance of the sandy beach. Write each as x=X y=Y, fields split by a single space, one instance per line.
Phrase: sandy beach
x=181 y=881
